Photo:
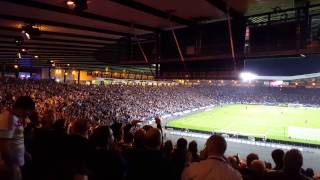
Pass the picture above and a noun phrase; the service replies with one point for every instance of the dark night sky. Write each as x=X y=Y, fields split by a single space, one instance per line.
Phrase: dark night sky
x=284 y=66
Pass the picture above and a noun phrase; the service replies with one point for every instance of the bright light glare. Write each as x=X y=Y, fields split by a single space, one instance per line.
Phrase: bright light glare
x=70 y=3
x=247 y=76
x=27 y=35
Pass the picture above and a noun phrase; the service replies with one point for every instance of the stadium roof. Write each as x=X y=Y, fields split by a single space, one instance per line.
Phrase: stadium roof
x=77 y=38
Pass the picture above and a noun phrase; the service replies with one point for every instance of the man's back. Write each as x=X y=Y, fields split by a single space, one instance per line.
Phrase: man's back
x=213 y=168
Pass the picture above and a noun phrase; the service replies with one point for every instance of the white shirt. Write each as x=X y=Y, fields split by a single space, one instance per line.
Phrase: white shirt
x=213 y=168
x=11 y=131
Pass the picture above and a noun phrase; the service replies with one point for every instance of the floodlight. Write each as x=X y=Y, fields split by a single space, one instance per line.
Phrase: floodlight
x=77 y=5
x=247 y=76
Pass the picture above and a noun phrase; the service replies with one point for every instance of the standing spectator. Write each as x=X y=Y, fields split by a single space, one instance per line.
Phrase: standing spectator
x=106 y=163
x=178 y=159
x=193 y=151
x=79 y=150
x=167 y=149
x=11 y=130
x=215 y=166
x=149 y=163
x=247 y=172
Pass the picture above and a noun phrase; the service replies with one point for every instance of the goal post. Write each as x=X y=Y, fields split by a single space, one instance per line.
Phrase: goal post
x=309 y=134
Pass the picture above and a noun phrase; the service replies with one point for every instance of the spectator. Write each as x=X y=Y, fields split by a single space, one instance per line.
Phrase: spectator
x=247 y=172
x=215 y=166
x=258 y=168
x=106 y=163
x=140 y=139
x=251 y=157
x=167 y=149
x=151 y=160
x=79 y=149
x=309 y=173
x=277 y=156
x=11 y=130
x=193 y=151
x=292 y=164
x=178 y=159
x=233 y=162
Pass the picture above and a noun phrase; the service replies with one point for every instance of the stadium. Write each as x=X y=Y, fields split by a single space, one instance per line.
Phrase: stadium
x=177 y=90
x=268 y=120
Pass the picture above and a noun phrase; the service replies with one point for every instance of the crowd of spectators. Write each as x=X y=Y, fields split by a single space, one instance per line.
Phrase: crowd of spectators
x=53 y=131
x=122 y=103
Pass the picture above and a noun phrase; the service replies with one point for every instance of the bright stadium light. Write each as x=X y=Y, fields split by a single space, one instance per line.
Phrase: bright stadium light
x=248 y=76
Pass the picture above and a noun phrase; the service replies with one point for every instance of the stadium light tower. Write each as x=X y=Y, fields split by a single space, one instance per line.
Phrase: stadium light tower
x=248 y=76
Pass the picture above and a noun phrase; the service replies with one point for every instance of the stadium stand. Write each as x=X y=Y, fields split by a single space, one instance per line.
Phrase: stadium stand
x=71 y=135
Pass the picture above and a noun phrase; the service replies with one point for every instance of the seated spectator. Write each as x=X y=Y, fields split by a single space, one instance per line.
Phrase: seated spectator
x=292 y=164
x=105 y=163
x=215 y=166
x=277 y=156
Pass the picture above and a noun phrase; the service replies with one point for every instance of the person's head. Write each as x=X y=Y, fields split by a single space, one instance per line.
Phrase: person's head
x=48 y=119
x=233 y=162
x=268 y=165
x=128 y=138
x=193 y=147
x=292 y=161
x=168 y=147
x=309 y=172
x=102 y=137
x=147 y=127
x=59 y=124
x=139 y=138
x=23 y=106
x=216 y=145
x=182 y=144
x=80 y=127
x=157 y=120
x=153 y=138
x=251 y=157
x=258 y=166
x=277 y=156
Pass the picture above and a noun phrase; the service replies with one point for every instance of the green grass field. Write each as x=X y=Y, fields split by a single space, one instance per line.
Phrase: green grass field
x=272 y=122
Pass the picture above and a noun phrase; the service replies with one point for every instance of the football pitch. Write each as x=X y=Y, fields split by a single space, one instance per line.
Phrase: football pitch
x=296 y=124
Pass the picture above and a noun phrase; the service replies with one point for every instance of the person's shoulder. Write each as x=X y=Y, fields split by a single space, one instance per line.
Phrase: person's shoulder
x=233 y=173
